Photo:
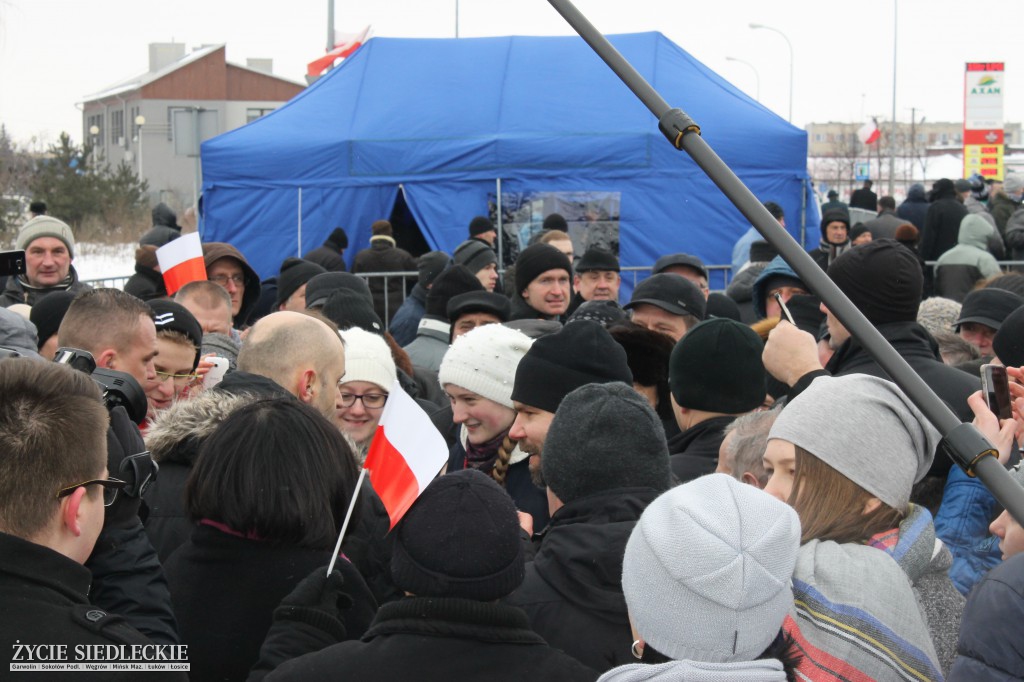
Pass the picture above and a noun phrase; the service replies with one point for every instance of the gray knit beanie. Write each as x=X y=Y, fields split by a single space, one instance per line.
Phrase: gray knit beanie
x=603 y=437
x=45 y=226
x=707 y=570
x=866 y=429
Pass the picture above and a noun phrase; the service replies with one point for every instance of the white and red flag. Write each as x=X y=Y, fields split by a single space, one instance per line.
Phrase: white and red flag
x=348 y=43
x=181 y=262
x=406 y=453
x=869 y=132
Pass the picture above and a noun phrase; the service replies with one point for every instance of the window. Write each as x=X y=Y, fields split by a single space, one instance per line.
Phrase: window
x=96 y=120
x=117 y=127
x=253 y=114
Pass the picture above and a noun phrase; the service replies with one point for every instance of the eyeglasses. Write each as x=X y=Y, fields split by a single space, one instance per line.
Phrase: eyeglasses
x=110 y=488
x=239 y=280
x=180 y=380
x=371 y=401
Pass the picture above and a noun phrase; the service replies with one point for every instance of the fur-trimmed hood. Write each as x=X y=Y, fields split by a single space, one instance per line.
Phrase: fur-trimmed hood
x=175 y=434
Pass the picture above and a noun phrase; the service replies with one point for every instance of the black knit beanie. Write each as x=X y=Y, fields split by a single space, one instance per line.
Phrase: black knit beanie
x=460 y=538
x=555 y=221
x=480 y=225
x=717 y=367
x=536 y=260
x=430 y=265
x=882 y=279
x=603 y=437
x=580 y=353
x=474 y=255
x=339 y=239
x=604 y=313
x=171 y=316
x=319 y=289
x=452 y=282
x=720 y=305
x=48 y=313
x=833 y=216
x=294 y=273
x=346 y=309
x=1008 y=343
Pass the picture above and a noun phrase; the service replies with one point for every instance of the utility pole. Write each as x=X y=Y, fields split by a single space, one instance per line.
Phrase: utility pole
x=330 y=25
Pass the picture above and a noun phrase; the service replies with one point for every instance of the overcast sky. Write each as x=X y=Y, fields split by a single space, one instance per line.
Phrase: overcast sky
x=54 y=52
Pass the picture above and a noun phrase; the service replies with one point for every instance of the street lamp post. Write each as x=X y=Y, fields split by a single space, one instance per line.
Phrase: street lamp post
x=94 y=132
x=790 y=45
x=140 y=121
x=757 y=76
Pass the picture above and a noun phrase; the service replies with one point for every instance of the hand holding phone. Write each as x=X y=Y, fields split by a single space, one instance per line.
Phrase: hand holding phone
x=996 y=390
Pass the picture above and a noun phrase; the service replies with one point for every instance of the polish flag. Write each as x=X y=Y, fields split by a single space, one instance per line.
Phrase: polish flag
x=406 y=453
x=869 y=132
x=181 y=262
x=349 y=43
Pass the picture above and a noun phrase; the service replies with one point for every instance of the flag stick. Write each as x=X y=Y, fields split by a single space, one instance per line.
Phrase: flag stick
x=348 y=517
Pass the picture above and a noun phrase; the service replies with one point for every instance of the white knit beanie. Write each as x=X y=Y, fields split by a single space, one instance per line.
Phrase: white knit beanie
x=46 y=226
x=368 y=358
x=484 y=361
x=707 y=570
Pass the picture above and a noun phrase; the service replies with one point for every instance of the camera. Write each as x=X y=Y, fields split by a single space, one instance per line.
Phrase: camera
x=12 y=263
x=118 y=388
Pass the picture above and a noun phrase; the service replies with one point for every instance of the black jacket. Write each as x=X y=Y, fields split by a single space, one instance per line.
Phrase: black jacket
x=915 y=207
x=865 y=199
x=439 y=640
x=573 y=588
x=695 y=450
x=146 y=284
x=989 y=646
x=941 y=227
x=383 y=256
x=44 y=599
x=327 y=256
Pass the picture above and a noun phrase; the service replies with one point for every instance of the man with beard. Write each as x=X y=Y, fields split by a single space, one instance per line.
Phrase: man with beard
x=580 y=353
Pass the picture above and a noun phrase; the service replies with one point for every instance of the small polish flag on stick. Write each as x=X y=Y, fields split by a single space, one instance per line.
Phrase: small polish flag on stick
x=181 y=262
x=406 y=453
x=869 y=132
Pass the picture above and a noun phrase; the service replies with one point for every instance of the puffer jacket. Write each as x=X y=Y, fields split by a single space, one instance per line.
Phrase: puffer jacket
x=960 y=268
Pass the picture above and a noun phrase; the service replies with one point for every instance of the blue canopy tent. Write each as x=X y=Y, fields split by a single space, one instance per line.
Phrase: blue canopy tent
x=449 y=121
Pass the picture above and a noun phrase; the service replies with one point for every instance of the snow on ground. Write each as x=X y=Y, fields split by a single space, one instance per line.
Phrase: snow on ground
x=101 y=261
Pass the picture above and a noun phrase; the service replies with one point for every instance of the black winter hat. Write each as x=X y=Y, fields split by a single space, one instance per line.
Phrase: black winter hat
x=474 y=255
x=480 y=225
x=320 y=288
x=580 y=353
x=681 y=259
x=762 y=252
x=1008 y=343
x=717 y=367
x=347 y=308
x=338 y=238
x=857 y=230
x=605 y=313
x=430 y=265
x=48 y=313
x=555 y=221
x=171 y=316
x=479 y=302
x=537 y=259
x=882 y=278
x=294 y=273
x=720 y=305
x=647 y=353
x=592 y=429
x=452 y=282
x=832 y=216
x=988 y=307
x=460 y=538
x=598 y=259
x=672 y=293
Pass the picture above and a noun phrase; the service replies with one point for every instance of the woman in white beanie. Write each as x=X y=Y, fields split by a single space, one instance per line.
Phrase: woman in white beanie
x=369 y=375
x=477 y=374
x=706 y=576
x=871 y=585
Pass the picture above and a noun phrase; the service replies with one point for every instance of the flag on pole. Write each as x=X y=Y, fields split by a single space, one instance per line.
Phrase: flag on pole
x=869 y=132
x=406 y=453
x=349 y=43
x=181 y=262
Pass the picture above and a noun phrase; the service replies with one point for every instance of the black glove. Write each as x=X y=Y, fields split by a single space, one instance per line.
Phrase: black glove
x=318 y=601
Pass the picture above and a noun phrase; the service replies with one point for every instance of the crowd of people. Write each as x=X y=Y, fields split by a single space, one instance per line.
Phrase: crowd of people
x=685 y=485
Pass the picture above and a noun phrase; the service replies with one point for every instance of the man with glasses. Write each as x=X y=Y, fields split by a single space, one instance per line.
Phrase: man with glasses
x=54 y=487
x=227 y=267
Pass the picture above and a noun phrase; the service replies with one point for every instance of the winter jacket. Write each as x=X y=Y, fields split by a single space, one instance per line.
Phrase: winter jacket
x=864 y=198
x=1015 y=237
x=740 y=290
x=941 y=225
x=430 y=639
x=407 y=318
x=962 y=525
x=18 y=289
x=995 y=244
x=431 y=343
x=989 y=647
x=18 y=334
x=165 y=227
x=518 y=484
x=572 y=593
x=384 y=256
x=214 y=251
x=1001 y=206
x=695 y=450
x=855 y=616
x=884 y=226
x=741 y=249
x=225 y=589
x=327 y=256
x=146 y=284
x=825 y=253
x=914 y=209
x=44 y=599
x=767 y=670
x=960 y=268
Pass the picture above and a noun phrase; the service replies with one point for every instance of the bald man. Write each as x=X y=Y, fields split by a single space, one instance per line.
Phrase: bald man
x=301 y=353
